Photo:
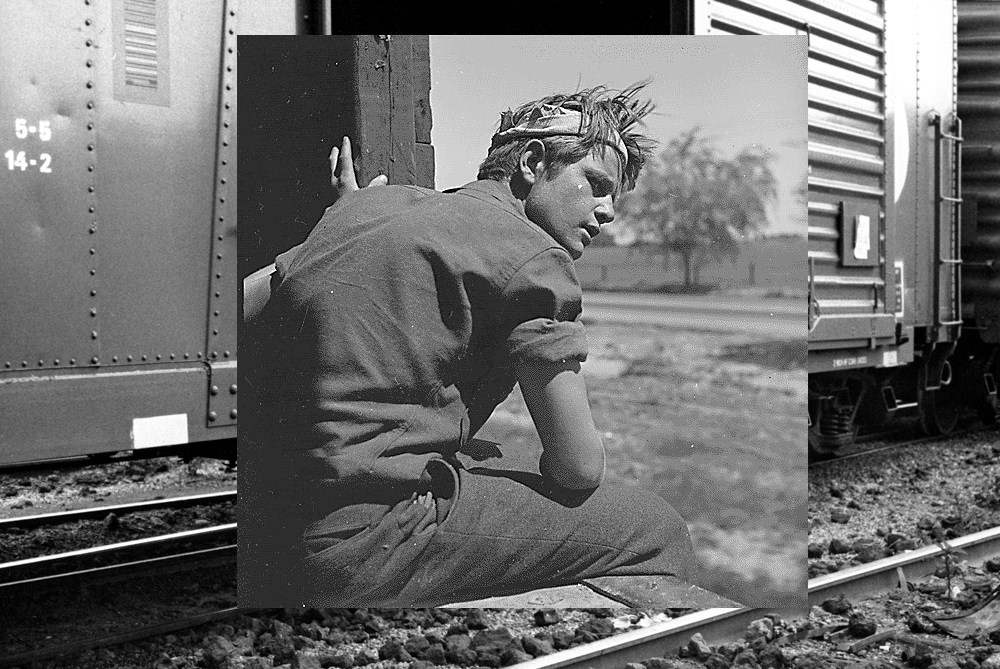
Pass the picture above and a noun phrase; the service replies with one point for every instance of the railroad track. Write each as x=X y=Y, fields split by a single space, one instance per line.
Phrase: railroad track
x=188 y=548
x=169 y=552
x=881 y=446
x=875 y=450
x=716 y=625
x=724 y=625
x=892 y=572
x=96 y=512
x=203 y=548
x=657 y=640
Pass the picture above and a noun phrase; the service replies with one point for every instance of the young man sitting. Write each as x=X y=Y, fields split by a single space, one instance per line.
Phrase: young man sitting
x=390 y=336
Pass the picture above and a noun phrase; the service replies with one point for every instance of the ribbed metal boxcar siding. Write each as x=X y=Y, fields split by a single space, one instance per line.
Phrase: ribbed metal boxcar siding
x=850 y=305
x=119 y=263
x=979 y=108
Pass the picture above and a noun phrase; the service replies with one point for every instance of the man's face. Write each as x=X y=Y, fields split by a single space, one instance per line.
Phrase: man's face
x=573 y=204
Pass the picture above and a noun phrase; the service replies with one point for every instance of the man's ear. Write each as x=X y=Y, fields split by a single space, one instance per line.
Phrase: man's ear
x=532 y=161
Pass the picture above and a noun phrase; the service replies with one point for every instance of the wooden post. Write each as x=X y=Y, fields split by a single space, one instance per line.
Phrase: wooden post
x=423 y=150
x=384 y=107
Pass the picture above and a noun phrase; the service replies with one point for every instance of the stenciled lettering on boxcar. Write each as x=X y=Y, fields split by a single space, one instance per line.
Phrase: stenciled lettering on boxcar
x=26 y=132
x=850 y=361
x=900 y=289
x=142 y=57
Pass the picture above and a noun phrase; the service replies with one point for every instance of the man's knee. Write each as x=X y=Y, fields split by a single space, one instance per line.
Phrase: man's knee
x=642 y=511
x=652 y=528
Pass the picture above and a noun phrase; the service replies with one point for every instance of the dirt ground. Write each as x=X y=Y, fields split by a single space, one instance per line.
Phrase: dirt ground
x=714 y=423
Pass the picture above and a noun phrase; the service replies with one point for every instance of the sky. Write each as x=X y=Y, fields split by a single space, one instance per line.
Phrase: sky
x=741 y=91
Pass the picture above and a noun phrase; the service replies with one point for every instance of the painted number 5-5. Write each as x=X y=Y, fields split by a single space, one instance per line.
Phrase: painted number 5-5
x=19 y=160
x=22 y=129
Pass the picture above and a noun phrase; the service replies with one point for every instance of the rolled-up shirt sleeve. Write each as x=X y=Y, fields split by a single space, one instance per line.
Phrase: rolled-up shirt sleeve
x=542 y=304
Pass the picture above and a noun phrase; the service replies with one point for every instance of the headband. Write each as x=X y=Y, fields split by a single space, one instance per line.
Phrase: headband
x=549 y=121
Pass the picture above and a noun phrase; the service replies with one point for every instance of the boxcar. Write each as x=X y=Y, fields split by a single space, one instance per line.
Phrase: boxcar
x=979 y=108
x=118 y=238
x=903 y=238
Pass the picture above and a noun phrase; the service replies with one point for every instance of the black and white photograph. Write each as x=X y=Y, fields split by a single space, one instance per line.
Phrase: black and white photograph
x=571 y=381
x=904 y=472
x=675 y=349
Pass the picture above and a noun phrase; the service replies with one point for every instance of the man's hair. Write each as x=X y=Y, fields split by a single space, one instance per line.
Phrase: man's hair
x=606 y=113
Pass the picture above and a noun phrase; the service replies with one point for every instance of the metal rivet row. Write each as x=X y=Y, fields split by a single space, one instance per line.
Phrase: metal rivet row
x=91 y=187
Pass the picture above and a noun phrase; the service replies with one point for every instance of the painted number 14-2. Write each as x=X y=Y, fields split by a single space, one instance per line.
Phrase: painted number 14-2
x=18 y=160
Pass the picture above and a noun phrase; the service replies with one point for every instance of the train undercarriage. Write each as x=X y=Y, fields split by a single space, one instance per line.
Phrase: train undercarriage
x=944 y=386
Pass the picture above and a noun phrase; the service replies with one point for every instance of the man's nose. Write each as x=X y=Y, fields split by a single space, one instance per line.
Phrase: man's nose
x=605 y=212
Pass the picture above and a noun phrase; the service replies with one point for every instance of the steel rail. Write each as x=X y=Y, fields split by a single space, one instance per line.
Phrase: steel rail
x=888 y=573
x=657 y=640
x=219 y=556
x=722 y=625
x=9 y=570
x=120 y=509
x=859 y=455
x=164 y=564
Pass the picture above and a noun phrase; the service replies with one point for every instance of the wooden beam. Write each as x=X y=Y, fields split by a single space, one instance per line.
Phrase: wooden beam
x=384 y=106
x=422 y=119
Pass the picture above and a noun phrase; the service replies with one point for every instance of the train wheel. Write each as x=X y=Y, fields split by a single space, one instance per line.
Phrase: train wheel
x=939 y=409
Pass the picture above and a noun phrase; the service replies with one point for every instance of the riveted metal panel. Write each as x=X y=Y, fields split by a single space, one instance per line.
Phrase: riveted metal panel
x=155 y=173
x=979 y=108
x=848 y=153
x=48 y=254
x=222 y=395
x=61 y=413
x=117 y=239
x=221 y=335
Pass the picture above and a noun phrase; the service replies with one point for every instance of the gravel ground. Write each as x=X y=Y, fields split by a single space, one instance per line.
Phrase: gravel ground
x=375 y=638
x=119 y=482
x=866 y=509
x=917 y=642
x=891 y=630
x=51 y=617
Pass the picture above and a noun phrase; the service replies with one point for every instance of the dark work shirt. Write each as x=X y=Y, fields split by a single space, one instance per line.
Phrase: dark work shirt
x=395 y=329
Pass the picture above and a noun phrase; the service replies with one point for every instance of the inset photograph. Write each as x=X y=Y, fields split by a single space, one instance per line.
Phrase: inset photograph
x=522 y=321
